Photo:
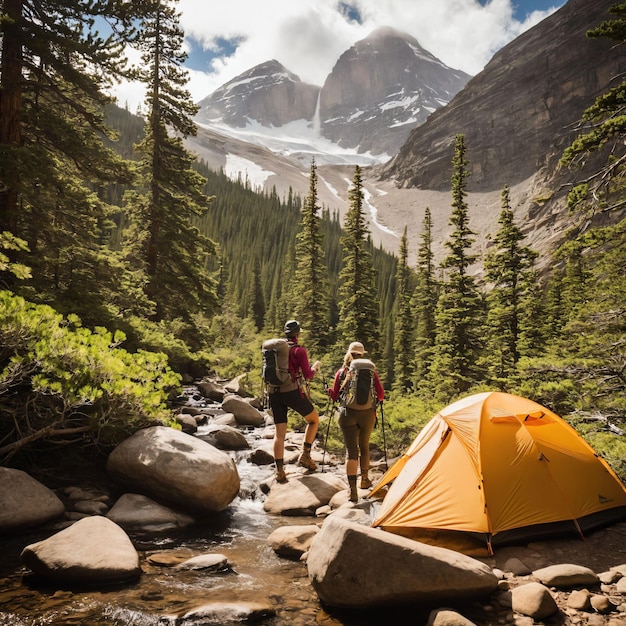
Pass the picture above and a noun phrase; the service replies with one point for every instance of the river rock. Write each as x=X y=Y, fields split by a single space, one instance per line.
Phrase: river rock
x=601 y=604
x=566 y=575
x=211 y=390
x=175 y=468
x=244 y=412
x=447 y=617
x=225 y=419
x=209 y=562
x=92 y=550
x=292 y=541
x=135 y=512
x=227 y=613
x=25 y=502
x=354 y=566
x=261 y=456
x=535 y=600
x=225 y=437
x=579 y=600
x=302 y=495
x=188 y=423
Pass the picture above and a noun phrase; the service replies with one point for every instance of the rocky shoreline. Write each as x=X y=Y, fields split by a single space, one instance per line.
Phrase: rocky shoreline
x=340 y=564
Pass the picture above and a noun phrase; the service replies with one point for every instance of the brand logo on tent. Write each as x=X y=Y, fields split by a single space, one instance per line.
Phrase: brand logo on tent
x=603 y=500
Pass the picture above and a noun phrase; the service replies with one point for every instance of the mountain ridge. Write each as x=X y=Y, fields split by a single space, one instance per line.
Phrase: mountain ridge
x=517 y=116
x=377 y=90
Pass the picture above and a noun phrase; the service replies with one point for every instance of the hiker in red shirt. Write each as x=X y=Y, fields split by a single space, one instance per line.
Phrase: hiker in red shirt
x=296 y=399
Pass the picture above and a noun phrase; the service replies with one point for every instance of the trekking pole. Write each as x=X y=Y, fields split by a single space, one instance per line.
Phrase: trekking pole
x=382 y=419
x=329 y=405
x=330 y=419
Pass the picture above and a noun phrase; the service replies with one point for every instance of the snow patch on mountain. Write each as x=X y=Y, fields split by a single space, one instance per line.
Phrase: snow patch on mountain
x=239 y=168
x=300 y=140
x=372 y=210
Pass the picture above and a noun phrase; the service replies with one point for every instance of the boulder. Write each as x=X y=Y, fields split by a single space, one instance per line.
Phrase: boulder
x=236 y=386
x=534 y=600
x=222 y=612
x=25 y=502
x=91 y=551
x=292 y=541
x=225 y=419
x=187 y=422
x=261 y=456
x=302 y=495
x=225 y=437
x=244 y=412
x=566 y=575
x=211 y=390
x=134 y=512
x=175 y=468
x=447 y=617
x=208 y=562
x=354 y=566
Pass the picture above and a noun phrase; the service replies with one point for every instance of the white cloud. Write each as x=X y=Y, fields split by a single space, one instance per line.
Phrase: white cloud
x=309 y=37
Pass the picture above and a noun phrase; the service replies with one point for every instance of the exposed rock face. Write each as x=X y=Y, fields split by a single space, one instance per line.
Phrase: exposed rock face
x=381 y=88
x=516 y=113
x=267 y=93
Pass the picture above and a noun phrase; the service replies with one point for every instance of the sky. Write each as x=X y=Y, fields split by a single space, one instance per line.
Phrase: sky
x=225 y=39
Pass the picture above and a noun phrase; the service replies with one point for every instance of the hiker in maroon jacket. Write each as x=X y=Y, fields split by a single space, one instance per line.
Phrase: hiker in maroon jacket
x=296 y=399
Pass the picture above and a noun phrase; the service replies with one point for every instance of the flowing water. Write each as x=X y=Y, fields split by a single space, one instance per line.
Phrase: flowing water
x=240 y=533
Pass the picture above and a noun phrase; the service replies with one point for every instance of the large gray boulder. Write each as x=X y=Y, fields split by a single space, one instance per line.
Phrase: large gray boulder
x=25 y=502
x=354 y=566
x=92 y=550
x=175 y=468
x=303 y=495
x=134 y=512
x=244 y=412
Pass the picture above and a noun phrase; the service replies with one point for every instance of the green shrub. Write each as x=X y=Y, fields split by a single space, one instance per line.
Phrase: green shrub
x=60 y=379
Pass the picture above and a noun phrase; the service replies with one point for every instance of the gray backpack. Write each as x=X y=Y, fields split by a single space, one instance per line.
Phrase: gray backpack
x=358 y=385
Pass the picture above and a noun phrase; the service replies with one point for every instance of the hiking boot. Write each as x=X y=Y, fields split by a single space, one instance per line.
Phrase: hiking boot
x=305 y=460
x=354 y=494
x=366 y=483
x=281 y=477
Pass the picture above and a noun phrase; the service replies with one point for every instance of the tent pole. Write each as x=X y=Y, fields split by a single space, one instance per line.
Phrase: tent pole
x=578 y=528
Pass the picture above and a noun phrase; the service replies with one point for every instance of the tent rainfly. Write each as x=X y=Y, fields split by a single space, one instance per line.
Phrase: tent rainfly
x=500 y=467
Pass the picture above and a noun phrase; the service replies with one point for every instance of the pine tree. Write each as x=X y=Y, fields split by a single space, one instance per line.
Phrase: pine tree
x=358 y=307
x=163 y=240
x=457 y=347
x=603 y=127
x=311 y=289
x=54 y=165
x=256 y=304
x=404 y=326
x=507 y=266
x=424 y=302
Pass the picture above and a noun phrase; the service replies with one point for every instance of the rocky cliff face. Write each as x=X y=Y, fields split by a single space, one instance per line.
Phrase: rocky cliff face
x=268 y=93
x=381 y=88
x=521 y=111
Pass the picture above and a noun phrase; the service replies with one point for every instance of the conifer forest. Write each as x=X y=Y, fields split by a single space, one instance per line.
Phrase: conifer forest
x=128 y=266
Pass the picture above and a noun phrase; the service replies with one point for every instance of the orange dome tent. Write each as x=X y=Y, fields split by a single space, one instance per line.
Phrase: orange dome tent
x=499 y=466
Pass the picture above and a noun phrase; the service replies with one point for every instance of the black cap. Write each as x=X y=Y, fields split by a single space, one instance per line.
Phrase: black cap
x=292 y=328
